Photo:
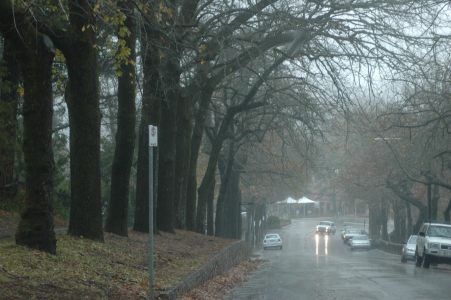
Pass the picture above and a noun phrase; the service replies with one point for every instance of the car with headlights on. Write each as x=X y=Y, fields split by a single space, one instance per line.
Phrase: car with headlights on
x=326 y=227
x=272 y=240
x=408 y=249
x=360 y=241
x=433 y=244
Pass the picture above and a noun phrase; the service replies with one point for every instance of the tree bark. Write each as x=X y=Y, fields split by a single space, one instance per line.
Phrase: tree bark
x=225 y=169
x=210 y=209
x=117 y=218
x=170 y=80
x=183 y=153
x=196 y=140
x=36 y=229
x=399 y=215
x=233 y=206
x=206 y=189
x=84 y=120
x=447 y=211
x=150 y=115
x=409 y=218
x=9 y=99
x=384 y=219
x=374 y=223
x=434 y=201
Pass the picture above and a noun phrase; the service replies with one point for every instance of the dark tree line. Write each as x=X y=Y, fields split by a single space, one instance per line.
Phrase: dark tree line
x=188 y=52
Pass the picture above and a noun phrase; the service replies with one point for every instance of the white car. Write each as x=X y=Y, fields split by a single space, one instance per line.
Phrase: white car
x=272 y=240
x=433 y=244
x=408 y=249
x=326 y=227
x=360 y=242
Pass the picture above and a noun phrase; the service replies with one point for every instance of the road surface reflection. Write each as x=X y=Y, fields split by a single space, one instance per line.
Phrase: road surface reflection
x=317 y=243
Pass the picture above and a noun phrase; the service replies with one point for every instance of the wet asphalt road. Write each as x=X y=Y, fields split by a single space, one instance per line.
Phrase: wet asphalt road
x=310 y=268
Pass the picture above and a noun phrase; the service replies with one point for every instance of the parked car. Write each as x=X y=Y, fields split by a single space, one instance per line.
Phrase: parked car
x=408 y=249
x=433 y=244
x=326 y=227
x=360 y=242
x=272 y=240
x=350 y=233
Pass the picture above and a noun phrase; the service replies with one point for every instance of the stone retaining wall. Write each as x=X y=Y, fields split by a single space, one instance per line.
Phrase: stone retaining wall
x=220 y=263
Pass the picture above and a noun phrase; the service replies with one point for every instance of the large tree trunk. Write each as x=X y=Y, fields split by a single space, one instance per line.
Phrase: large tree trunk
x=170 y=80
x=384 y=208
x=150 y=115
x=225 y=169
x=183 y=153
x=434 y=202
x=166 y=164
x=374 y=222
x=399 y=215
x=206 y=191
x=233 y=207
x=409 y=218
x=210 y=209
x=447 y=211
x=422 y=215
x=117 y=218
x=196 y=140
x=9 y=99
x=35 y=229
x=84 y=120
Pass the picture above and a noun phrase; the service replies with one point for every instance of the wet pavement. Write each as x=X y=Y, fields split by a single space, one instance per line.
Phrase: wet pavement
x=320 y=267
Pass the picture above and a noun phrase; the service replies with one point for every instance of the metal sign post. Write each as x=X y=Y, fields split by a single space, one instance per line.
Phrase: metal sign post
x=153 y=142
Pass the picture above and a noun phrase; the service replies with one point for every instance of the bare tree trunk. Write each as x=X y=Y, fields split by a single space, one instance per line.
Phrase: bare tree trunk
x=9 y=99
x=374 y=223
x=170 y=77
x=117 y=218
x=35 y=229
x=210 y=210
x=421 y=217
x=150 y=115
x=447 y=211
x=193 y=220
x=399 y=211
x=225 y=169
x=434 y=201
x=183 y=153
x=84 y=120
x=409 y=218
x=384 y=219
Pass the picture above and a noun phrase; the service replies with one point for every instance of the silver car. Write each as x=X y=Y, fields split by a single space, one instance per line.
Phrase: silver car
x=408 y=249
x=360 y=242
x=272 y=240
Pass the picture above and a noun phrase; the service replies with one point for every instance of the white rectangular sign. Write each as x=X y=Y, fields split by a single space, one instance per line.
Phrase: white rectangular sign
x=153 y=136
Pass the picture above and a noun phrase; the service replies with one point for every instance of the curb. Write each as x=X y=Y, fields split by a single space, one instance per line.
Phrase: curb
x=219 y=264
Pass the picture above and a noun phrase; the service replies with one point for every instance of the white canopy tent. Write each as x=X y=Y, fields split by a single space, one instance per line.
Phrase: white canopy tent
x=305 y=200
x=288 y=200
x=296 y=205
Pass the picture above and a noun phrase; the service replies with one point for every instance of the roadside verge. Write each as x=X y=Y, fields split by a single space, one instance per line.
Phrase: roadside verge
x=220 y=263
